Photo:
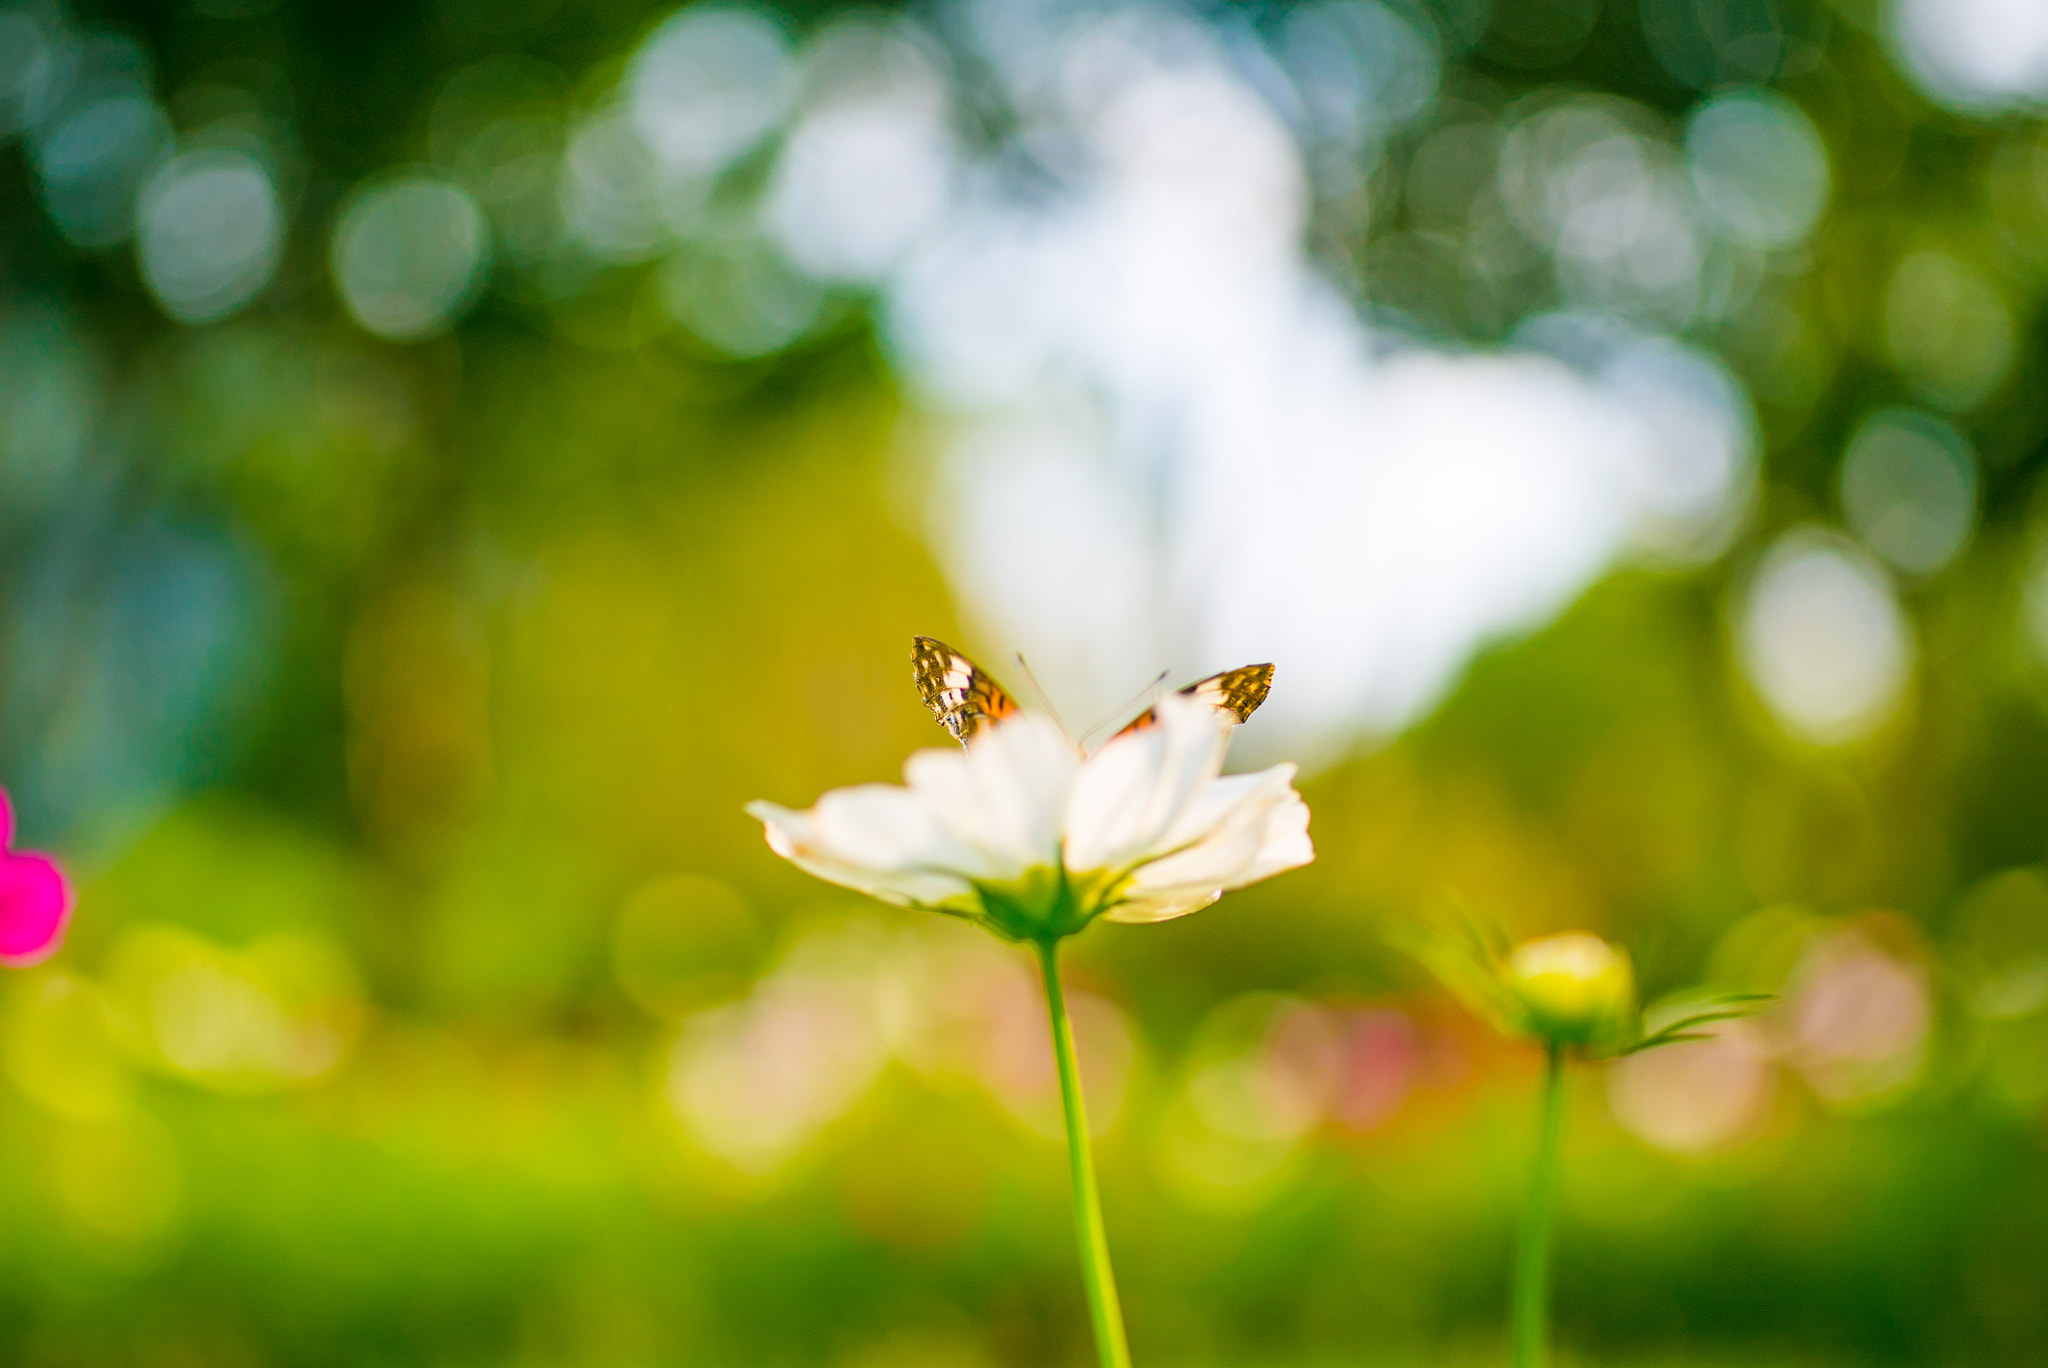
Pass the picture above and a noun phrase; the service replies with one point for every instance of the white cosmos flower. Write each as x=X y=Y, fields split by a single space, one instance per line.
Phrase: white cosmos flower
x=1027 y=835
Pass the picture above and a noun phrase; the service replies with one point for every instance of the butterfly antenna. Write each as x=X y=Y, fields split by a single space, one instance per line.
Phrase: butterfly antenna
x=1044 y=698
x=1120 y=709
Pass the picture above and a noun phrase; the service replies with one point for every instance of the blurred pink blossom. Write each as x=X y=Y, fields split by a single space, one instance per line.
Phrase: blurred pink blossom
x=35 y=900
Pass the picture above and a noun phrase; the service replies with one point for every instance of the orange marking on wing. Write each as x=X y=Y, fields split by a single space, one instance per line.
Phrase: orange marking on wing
x=1236 y=692
x=962 y=695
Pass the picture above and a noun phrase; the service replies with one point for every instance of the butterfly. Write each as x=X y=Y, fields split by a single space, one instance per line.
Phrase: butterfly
x=966 y=699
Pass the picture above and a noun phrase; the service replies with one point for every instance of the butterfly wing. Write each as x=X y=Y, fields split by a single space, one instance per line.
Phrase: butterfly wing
x=1236 y=692
x=959 y=692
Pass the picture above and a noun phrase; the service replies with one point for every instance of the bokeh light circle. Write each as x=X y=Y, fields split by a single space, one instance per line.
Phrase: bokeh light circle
x=1947 y=328
x=1823 y=638
x=740 y=296
x=1697 y=1098
x=409 y=255
x=709 y=84
x=1591 y=179
x=1909 y=489
x=1709 y=45
x=1758 y=166
x=210 y=232
x=1977 y=56
x=857 y=185
x=29 y=66
x=93 y=161
x=1359 y=67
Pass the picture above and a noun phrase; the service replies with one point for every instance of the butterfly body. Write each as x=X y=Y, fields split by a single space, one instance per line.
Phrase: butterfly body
x=966 y=699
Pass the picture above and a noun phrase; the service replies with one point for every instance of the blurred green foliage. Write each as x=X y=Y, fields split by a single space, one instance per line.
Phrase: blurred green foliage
x=431 y=1000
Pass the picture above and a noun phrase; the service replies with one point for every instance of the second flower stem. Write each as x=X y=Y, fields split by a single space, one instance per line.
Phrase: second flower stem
x=1103 y=1307
x=1532 y=1259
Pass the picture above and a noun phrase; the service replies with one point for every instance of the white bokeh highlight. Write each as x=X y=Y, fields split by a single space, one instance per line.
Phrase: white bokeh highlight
x=870 y=167
x=210 y=232
x=1150 y=431
x=1976 y=56
x=1823 y=638
x=1758 y=166
x=409 y=256
x=708 y=84
x=1591 y=179
x=1167 y=441
x=1360 y=68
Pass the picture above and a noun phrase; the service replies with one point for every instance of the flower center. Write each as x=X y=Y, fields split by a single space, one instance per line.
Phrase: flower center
x=1047 y=902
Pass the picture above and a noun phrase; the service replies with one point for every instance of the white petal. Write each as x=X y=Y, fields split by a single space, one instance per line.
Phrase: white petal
x=875 y=838
x=1140 y=910
x=1221 y=829
x=1257 y=826
x=1287 y=842
x=999 y=801
x=1223 y=801
x=1132 y=796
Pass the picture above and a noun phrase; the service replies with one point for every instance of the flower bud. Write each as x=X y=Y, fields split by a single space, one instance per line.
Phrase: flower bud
x=1574 y=988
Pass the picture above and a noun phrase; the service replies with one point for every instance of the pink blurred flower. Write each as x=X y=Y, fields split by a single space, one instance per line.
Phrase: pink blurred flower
x=35 y=900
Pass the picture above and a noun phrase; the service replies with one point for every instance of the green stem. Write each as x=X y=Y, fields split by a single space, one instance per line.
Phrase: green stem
x=1532 y=1260
x=1103 y=1307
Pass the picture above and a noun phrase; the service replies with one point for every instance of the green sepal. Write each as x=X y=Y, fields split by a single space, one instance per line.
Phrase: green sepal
x=1047 y=903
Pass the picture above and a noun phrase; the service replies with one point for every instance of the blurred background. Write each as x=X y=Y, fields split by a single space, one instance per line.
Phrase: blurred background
x=452 y=454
